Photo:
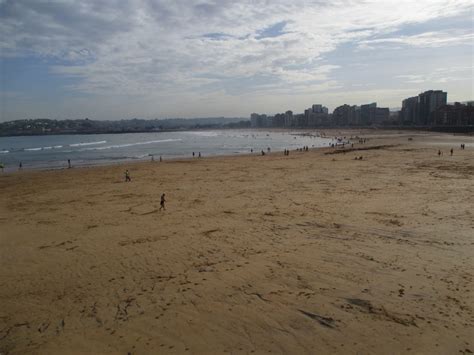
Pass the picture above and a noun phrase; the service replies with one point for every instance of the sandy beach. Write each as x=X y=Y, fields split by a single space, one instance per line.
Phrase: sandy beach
x=311 y=253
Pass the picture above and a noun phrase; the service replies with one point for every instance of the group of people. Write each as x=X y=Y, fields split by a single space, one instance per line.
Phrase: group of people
x=162 y=198
x=199 y=154
x=451 y=151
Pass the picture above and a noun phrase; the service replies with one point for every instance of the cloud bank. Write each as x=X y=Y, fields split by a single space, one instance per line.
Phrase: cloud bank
x=192 y=58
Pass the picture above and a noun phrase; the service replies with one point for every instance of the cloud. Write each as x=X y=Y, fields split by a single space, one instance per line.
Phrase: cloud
x=439 y=75
x=160 y=48
x=427 y=39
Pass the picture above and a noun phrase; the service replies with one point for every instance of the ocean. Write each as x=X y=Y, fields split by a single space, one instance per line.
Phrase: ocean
x=53 y=152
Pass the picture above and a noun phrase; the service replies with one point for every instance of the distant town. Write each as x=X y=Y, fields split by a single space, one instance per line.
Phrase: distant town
x=429 y=110
x=44 y=126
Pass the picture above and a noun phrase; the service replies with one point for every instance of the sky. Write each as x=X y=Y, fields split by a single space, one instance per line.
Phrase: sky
x=118 y=59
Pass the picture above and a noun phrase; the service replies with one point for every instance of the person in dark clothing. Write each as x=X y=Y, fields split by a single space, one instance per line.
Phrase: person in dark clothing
x=162 y=202
x=127 y=176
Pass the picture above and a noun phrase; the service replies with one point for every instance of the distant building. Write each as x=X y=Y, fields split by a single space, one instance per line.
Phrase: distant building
x=419 y=110
x=382 y=115
x=343 y=115
x=454 y=115
x=278 y=120
x=289 y=122
x=428 y=102
x=367 y=114
x=299 y=120
x=317 y=115
x=254 y=120
x=409 y=112
x=259 y=121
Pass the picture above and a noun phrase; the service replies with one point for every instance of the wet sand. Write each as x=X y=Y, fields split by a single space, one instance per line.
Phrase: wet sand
x=314 y=252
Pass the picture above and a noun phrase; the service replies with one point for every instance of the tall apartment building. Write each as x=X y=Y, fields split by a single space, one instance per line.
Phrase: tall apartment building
x=258 y=121
x=289 y=122
x=428 y=102
x=368 y=113
x=317 y=115
x=408 y=115
x=343 y=115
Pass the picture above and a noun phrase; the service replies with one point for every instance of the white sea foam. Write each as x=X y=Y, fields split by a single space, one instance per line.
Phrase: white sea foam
x=86 y=143
x=33 y=149
x=142 y=156
x=43 y=148
x=203 y=134
x=131 y=144
x=4 y=151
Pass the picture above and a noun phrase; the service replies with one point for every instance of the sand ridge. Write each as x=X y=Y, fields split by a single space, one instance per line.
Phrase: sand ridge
x=314 y=252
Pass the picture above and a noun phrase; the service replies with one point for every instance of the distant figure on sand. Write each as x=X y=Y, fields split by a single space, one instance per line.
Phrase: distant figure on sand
x=451 y=151
x=193 y=154
x=69 y=166
x=161 y=159
x=199 y=155
x=2 y=166
x=439 y=153
x=162 y=202
x=20 y=167
x=127 y=176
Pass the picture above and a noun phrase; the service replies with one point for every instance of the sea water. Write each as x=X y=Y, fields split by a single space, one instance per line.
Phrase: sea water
x=53 y=151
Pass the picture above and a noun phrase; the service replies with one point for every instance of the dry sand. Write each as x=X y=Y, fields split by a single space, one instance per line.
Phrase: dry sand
x=310 y=253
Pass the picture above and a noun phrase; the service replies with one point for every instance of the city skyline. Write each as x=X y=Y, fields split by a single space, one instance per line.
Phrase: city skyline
x=157 y=59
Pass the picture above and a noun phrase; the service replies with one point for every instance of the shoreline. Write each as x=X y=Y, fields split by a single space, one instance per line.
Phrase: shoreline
x=462 y=130
x=369 y=132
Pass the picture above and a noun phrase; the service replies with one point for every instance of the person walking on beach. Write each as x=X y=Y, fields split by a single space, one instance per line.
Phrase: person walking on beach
x=20 y=167
x=162 y=202
x=199 y=154
x=127 y=176
x=451 y=151
x=439 y=152
x=69 y=166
